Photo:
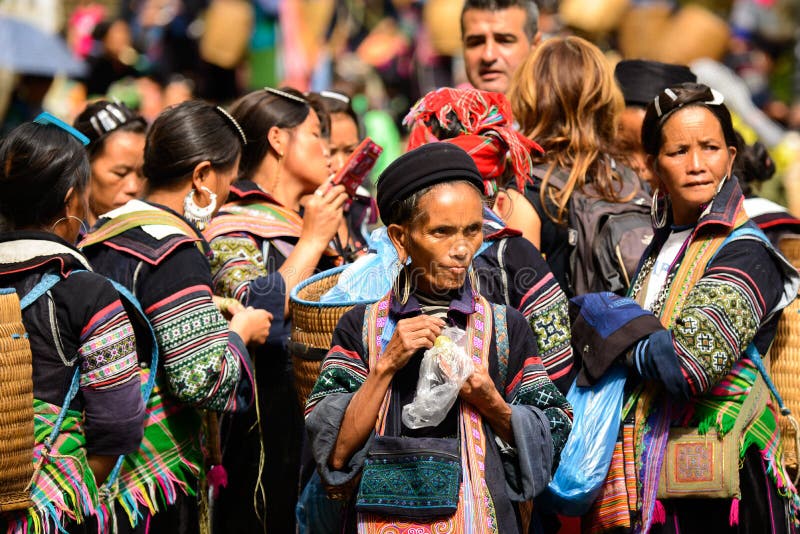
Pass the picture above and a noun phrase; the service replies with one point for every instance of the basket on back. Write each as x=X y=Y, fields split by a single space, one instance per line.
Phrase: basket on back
x=312 y=328
x=16 y=416
x=785 y=359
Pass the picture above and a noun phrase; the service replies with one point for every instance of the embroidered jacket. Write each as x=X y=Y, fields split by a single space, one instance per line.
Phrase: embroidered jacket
x=737 y=301
x=541 y=416
x=204 y=364
x=719 y=306
x=511 y=271
x=79 y=322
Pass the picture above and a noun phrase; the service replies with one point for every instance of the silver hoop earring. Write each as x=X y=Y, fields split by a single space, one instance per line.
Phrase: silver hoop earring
x=84 y=228
x=658 y=217
x=402 y=279
x=197 y=215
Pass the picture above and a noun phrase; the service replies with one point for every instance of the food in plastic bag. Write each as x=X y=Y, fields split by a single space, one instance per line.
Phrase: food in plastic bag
x=370 y=277
x=587 y=454
x=444 y=369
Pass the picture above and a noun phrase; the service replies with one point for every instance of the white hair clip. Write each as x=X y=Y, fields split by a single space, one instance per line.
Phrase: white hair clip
x=284 y=94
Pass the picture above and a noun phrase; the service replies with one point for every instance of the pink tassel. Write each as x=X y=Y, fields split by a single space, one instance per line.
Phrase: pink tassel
x=659 y=513
x=733 y=519
x=217 y=479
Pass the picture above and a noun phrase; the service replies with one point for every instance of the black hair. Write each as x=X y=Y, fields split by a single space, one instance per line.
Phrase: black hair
x=122 y=119
x=184 y=136
x=317 y=103
x=40 y=163
x=338 y=103
x=678 y=97
x=753 y=165
x=259 y=111
x=531 y=26
x=406 y=211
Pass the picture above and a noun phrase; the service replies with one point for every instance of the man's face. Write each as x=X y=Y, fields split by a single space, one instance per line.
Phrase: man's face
x=495 y=44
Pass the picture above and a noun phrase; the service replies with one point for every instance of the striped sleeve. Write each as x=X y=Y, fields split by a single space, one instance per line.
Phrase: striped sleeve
x=529 y=384
x=205 y=364
x=545 y=307
x=722 y=315
x=345 y=366
x=113 y=408
x=108 y=349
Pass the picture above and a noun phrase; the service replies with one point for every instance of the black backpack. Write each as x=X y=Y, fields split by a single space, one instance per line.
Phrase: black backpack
x=606 y=239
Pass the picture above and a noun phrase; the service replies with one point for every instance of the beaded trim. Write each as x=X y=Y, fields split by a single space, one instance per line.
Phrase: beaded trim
x=284 y=94
x=233 y=123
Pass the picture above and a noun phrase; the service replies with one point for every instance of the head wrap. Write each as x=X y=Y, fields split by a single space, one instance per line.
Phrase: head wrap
x=481 y=123
x=423 y=167
x=641 y=80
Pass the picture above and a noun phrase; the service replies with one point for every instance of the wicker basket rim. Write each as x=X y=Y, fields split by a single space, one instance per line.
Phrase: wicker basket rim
x=293 y=296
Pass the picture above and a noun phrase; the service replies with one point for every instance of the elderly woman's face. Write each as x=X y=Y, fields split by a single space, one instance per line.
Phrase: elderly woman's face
x=445 y=238
x=692 y=161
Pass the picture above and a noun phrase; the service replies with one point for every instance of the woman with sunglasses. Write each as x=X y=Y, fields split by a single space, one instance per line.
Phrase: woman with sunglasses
x=258 y=234
x=116 y=153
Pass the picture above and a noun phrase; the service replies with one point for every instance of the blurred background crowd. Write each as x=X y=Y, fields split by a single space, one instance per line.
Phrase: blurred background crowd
x=385 y=53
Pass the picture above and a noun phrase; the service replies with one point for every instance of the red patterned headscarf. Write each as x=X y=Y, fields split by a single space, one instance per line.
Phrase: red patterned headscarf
x=481 y=123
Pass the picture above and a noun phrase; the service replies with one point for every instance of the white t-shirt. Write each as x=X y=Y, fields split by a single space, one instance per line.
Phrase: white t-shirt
x=658 y=276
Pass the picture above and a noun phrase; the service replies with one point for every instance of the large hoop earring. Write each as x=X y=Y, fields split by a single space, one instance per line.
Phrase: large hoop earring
x=658 y=216
x=401 y=294
x=84 y=229
x=199 y=215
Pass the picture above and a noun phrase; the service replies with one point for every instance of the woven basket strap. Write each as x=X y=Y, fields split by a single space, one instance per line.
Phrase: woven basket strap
x=71 y=392
x=48 y=281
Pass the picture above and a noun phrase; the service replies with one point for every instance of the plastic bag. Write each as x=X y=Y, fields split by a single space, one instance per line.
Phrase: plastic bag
x=586 y=456
x=444 y=369
x=370 y=277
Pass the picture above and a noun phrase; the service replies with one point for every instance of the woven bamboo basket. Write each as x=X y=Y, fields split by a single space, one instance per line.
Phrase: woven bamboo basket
x=313 y=324
x=16 y=417
x=785 y=360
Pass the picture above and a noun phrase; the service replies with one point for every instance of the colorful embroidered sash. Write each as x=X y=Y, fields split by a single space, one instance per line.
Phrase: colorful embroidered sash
x=475 y=512
x=135 y=219
x=63 y=486
x=262 y=219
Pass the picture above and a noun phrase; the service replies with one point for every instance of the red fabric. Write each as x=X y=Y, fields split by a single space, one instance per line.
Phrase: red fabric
x=481 y=123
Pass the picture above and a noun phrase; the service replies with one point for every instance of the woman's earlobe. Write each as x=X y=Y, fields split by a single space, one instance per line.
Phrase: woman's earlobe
x=397 y=236
x=274 y=137
x=201 y=173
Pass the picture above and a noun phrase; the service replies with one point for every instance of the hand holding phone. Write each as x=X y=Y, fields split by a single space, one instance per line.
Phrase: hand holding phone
x=357 y=166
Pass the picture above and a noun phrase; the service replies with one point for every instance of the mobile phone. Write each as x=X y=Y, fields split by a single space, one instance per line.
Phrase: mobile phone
x=357 y=166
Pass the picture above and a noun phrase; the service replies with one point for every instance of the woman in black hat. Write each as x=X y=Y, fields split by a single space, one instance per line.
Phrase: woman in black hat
x=508 y=418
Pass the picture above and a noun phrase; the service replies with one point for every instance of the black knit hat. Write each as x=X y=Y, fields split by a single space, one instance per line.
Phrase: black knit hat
x=641 y=80
x=422 y=167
